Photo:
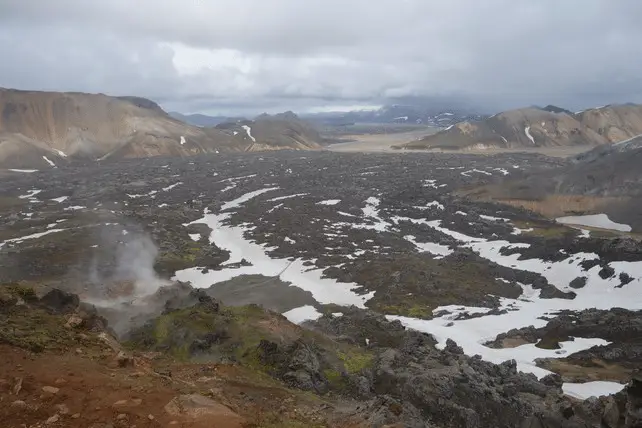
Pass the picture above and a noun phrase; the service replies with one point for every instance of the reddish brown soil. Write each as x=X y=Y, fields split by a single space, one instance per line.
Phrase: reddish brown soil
x=94 y=392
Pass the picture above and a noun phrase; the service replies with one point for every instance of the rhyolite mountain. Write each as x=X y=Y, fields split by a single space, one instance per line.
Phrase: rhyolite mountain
x=62 y=126
x=539 y=127
x=272 y=132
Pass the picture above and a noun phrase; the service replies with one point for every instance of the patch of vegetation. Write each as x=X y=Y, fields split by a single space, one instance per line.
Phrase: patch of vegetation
x=205 y=332
x=543 y=230
x=406 y=310
x=334 y=378
x=33 y=328
x=25 y=293
x=355 y=360
x=276 y=420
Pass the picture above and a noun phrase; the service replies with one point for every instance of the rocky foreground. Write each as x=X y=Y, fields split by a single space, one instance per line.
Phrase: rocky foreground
x=202 y=364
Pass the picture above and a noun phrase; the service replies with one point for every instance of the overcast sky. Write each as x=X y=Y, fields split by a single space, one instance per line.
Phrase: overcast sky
x=237 y=56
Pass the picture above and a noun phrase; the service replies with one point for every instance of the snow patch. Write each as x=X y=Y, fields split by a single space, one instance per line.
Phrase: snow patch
x=329 y=202
x=249 y=132
x=281 y=198
x=32 y=236
x=583 y=391
x=297 y=272
x=601 y=221
x=30 y=194
x=170 y=187
x=430 y=247
x=491 y=218
x=302 y=314
x=28 y=171
x=527 y=131
x=49 y=161
x=433 y=204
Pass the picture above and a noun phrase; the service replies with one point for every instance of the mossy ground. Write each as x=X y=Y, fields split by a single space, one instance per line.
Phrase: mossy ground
x=32 y=328
x=415 y=285
x=544 y=230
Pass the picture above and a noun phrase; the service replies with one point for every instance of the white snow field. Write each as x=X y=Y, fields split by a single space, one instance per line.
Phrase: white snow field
x=601 y=221
x=232 y=239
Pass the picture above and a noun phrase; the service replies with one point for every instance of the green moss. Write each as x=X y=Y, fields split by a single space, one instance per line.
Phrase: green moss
x=542 y=230
x=238 y=328
x=276 y=420
x=406 y=310
x=26 y=293
x=419 y=311
x=335 y=379
x=36 y=330
x=355 y=361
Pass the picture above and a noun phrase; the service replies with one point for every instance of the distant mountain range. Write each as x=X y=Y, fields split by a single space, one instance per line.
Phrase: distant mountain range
x=396 y=113
x=203 y=120
x=46 y=129
x=539 y=127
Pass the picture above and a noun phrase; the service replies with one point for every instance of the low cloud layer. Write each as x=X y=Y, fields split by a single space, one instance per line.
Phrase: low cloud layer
x=223 y=56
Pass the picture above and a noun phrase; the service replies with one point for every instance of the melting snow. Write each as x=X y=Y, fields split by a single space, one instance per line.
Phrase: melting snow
x=170 y=187
x=598 y=293
x=48 y=161
x=502 y=170
x=433 y=204
x=152 y=193
x=249 y=132
x=527 y=131
x=61 y=153
x=32 y=236
x=281 y=198
x=232 y=239
x=587 y=390
x=194 y=236
x=302 y=314
x=518 y=231
x=467 y=173
x=329 y=202
x=61 y=199
x=601 y=221
x=30 y=194
x=430 y=247
x=491 y=218
x=182 y=140
x=29 y=171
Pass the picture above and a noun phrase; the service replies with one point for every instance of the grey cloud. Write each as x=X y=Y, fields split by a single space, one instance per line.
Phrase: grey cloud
x=237 y=55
